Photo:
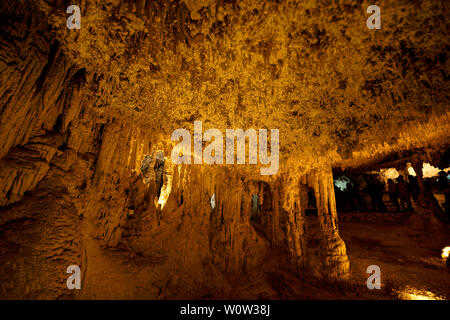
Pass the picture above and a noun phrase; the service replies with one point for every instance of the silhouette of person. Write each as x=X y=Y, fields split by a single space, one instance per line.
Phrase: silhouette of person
x=375 y=189
x=403 y=193
x=413 y=187
x=351 y=197
x=393 y=193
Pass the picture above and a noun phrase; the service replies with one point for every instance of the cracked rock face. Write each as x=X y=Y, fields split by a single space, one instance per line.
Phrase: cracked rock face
x=86 y=117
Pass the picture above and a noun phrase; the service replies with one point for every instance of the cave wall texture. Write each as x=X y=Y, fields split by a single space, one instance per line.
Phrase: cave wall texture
x=80 y=109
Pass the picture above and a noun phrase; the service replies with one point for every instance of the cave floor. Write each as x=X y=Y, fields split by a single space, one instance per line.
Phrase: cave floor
x=405 y=247
x=407 y=251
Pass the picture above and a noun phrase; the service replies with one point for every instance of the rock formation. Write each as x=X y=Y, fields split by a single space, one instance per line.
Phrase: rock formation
x=86 y=116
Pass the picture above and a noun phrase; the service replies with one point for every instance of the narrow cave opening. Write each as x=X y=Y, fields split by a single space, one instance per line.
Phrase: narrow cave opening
x=263 y=216
x=267 y=205
x=58 y=124
x=159 y=172
x=256 y=209
x=311 y=207
x=313 y=234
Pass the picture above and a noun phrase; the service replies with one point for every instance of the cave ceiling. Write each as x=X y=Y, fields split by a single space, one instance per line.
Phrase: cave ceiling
x=87 y=171
x=337 y=91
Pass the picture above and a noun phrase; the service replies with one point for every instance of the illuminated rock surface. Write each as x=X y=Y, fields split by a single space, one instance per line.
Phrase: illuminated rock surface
x=81 y=109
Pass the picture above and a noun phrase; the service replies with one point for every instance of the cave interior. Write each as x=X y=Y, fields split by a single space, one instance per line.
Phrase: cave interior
x=88 y=177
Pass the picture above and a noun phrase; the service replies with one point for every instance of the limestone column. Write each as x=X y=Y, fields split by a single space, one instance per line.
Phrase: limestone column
x=334 y=257
x=417 y=165
x=296 y=219
x=426 y=202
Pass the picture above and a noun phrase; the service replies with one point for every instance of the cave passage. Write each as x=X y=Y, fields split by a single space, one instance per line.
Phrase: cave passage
x=95 y=115
x=388 y=190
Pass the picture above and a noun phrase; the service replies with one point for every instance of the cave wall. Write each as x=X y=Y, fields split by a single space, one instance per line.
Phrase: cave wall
x=72 y=190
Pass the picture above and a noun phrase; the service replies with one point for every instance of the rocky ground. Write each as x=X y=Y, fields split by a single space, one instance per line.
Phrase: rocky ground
x=408 y=252
x=80 y=109
x=409 y=259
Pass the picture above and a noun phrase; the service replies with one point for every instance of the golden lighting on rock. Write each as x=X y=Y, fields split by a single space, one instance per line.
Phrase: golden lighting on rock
x=411 y=293
x=445 y=253
x=165 y=191
x=163 y=197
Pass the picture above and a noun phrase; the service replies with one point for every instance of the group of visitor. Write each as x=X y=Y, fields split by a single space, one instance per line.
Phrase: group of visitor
x=364 y=193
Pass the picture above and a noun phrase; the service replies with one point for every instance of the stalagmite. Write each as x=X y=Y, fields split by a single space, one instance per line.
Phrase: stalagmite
x=335 y=261
x=427 y=203
x=88 y=175
x=294 y=205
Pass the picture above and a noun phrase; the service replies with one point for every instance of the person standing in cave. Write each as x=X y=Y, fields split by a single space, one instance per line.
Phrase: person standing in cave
x=351 y=195
x=413 y=187
x=375 y=188
x=159 y=173
x=360 y=187
x=358 y=199
x=393 y=193
x=403 y=193
x=379 y=191
x=370 y=189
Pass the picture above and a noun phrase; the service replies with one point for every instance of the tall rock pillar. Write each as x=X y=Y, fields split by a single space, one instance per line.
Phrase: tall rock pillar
x=335 y=263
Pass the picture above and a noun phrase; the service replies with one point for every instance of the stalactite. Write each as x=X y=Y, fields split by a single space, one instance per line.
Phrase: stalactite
x=276 y=228
x=78 y=152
